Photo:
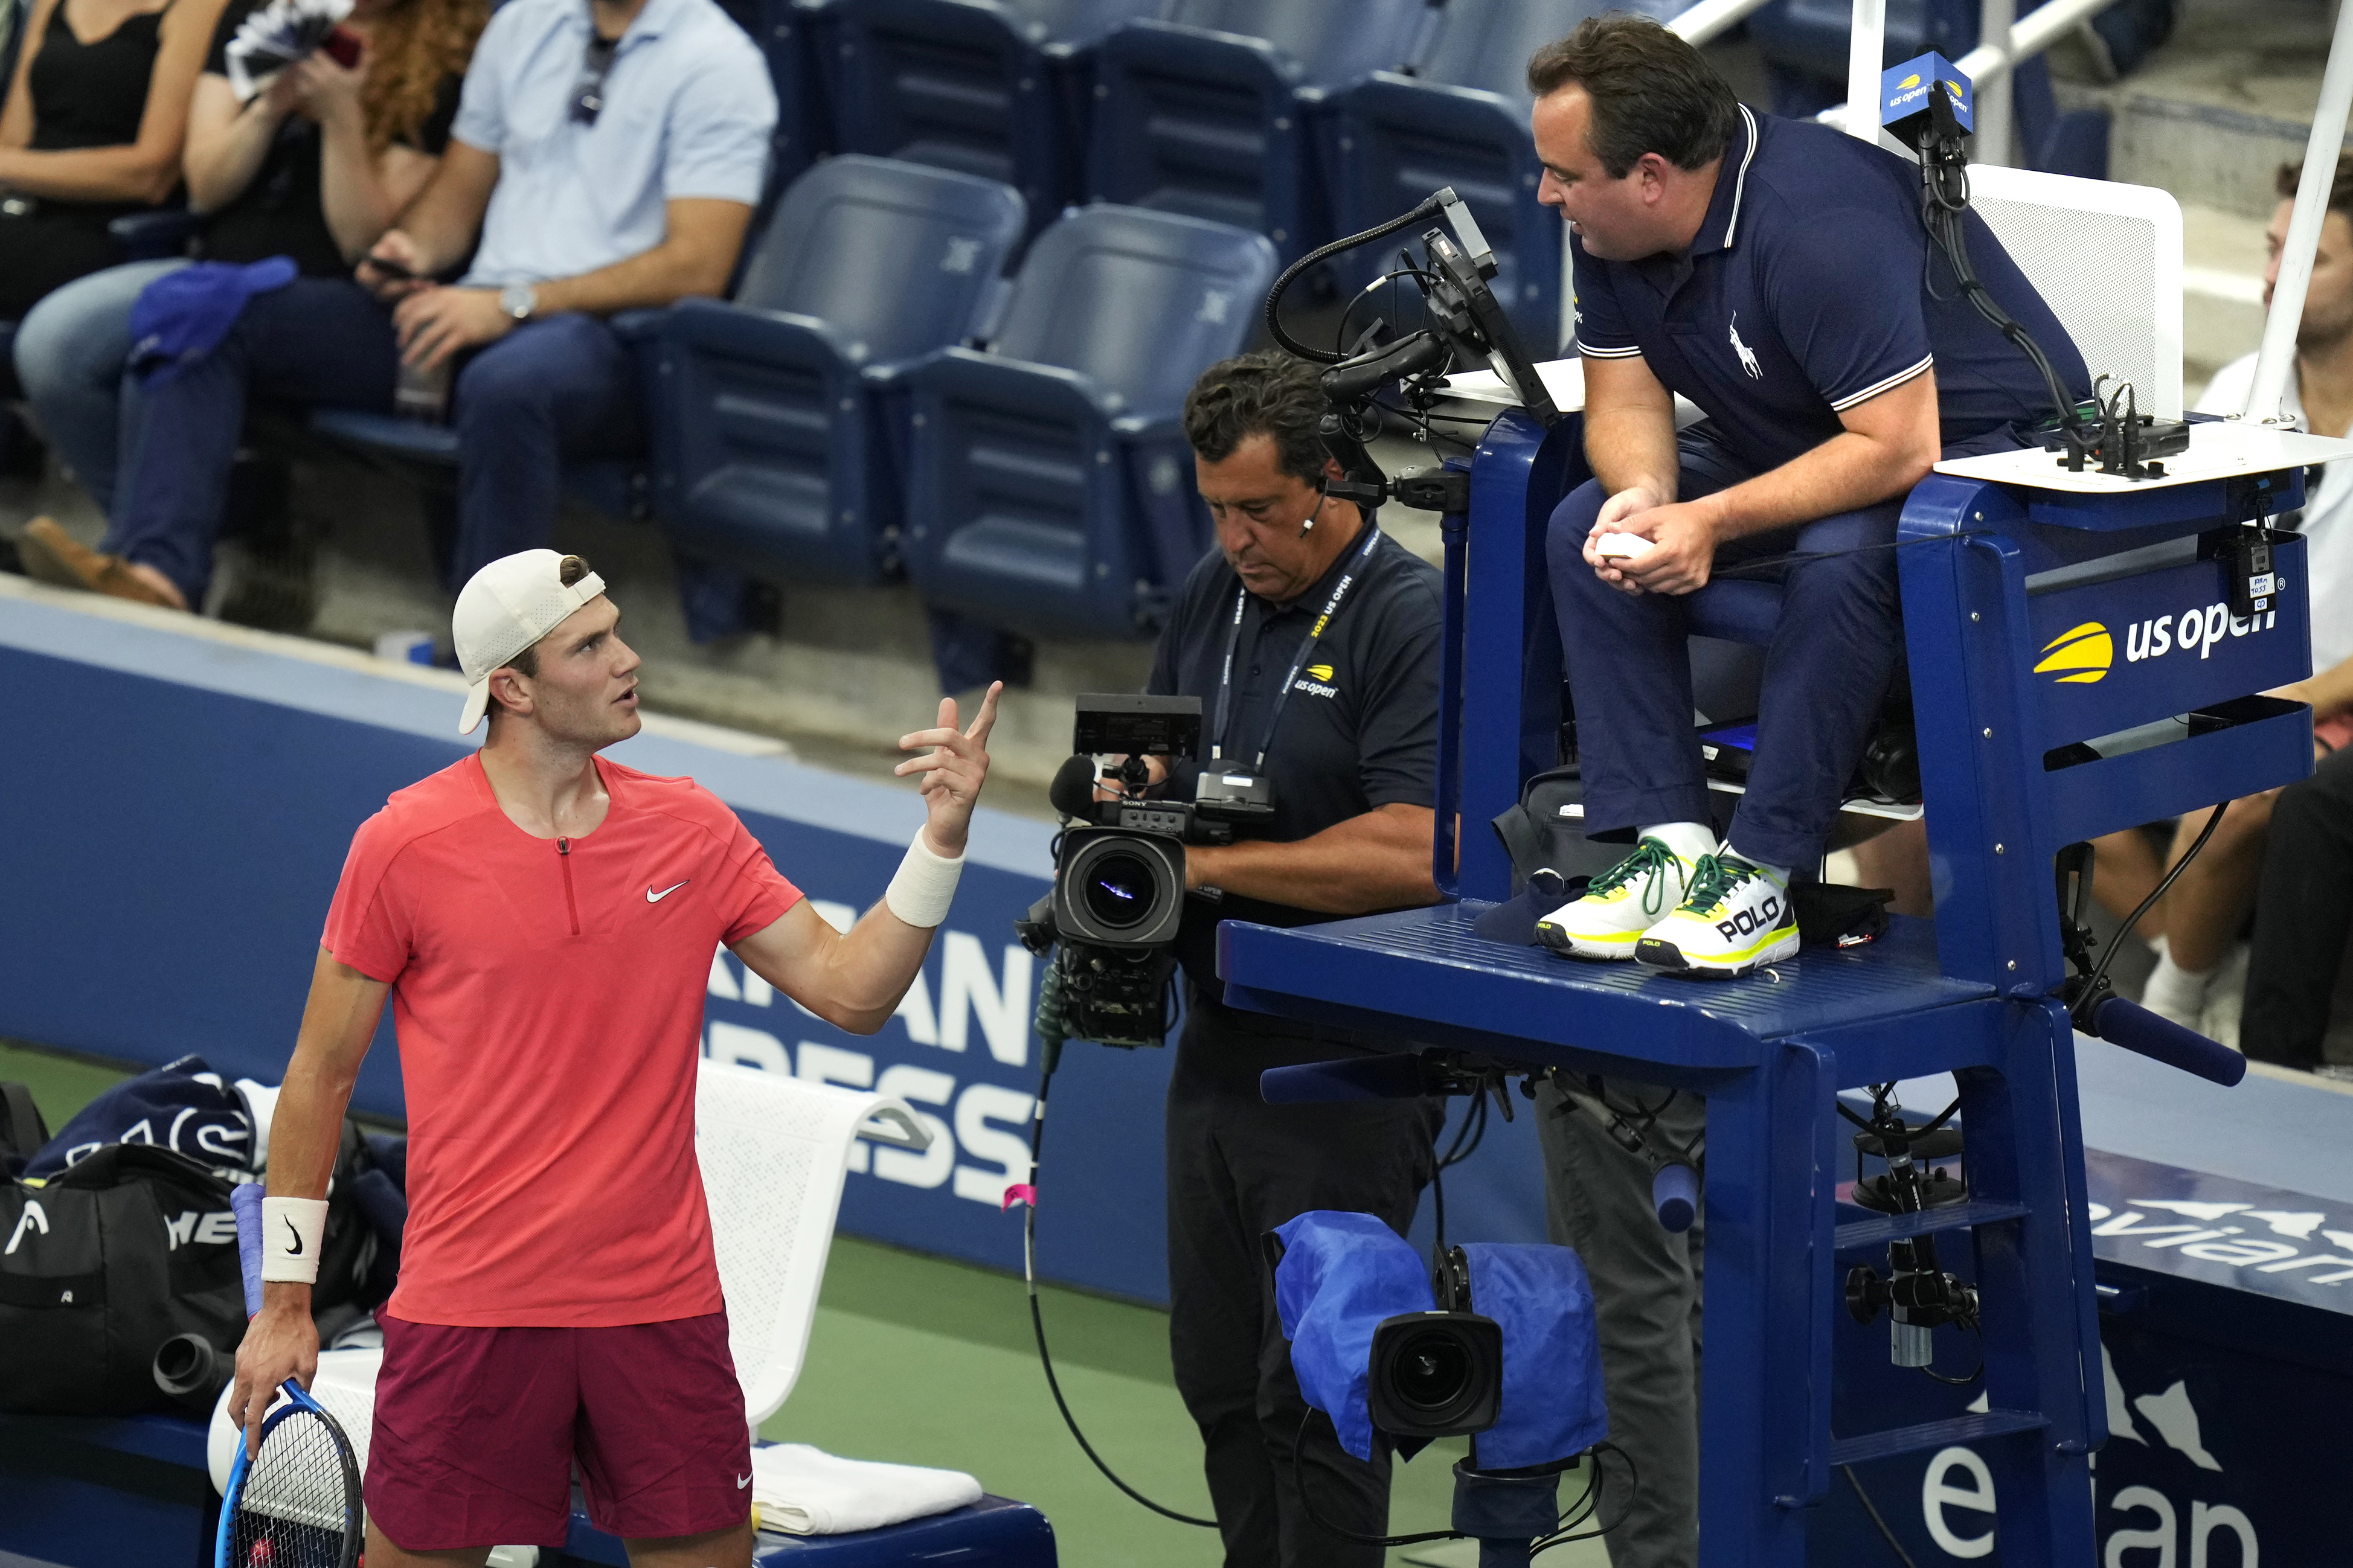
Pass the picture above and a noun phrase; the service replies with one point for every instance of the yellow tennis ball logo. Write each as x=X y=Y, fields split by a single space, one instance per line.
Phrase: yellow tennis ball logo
x=1320 y=671
x=2079 y=656
x=1912 y=81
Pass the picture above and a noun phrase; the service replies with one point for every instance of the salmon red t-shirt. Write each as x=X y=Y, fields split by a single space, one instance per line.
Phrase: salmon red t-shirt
x=547 y=994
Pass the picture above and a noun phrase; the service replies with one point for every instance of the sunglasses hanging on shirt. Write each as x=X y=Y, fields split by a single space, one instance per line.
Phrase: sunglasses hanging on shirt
x=588 y=97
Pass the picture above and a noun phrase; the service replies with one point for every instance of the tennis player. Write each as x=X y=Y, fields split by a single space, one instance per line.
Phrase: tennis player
x=543 y=920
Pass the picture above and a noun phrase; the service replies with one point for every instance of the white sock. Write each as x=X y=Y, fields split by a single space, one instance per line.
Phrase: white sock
x=2172 y=991
x=1779 y=873
x=1689 y=840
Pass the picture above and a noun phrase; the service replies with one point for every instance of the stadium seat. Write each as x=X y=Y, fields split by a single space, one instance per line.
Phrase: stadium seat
x=769 y=448
x=975 y=86
x=1048 y=489
x=1206 y=113
x=1460 y=119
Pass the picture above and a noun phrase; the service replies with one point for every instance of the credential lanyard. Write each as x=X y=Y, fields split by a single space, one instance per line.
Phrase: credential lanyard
x=1307 y=646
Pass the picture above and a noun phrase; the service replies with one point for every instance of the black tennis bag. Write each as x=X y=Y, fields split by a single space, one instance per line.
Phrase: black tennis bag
x=102 y=1263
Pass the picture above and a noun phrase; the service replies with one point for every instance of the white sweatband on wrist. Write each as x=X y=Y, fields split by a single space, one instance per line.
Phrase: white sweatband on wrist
x=923 y=886
x=291 y=1229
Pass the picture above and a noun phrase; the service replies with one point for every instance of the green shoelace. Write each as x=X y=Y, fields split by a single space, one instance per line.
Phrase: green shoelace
x=1714 y=878
x=1651 y=858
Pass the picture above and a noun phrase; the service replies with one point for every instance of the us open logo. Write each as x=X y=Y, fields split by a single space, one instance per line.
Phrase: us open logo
x=2079 y=656
x=1317 y=681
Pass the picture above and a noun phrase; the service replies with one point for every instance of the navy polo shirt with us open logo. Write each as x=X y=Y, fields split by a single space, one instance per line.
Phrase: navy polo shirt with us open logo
x=1359 y=732
x=1809 y=289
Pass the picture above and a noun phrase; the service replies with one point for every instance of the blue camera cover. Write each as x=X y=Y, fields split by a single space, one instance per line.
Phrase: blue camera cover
x=1553 y=1398
x=1343 y=1274
x=1340 y=1276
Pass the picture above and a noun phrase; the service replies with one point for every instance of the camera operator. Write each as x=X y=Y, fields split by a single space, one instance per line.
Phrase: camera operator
x=1311 y=638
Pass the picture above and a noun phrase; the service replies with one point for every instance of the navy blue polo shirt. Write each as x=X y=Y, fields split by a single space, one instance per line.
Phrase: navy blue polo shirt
x=1809 y=289
x=1359 y=729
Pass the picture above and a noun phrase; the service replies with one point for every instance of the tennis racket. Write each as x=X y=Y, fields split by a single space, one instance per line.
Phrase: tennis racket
x=296 y=1504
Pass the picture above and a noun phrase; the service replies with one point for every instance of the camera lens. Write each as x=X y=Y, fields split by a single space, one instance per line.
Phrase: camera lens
x=1431 y=1369
x=1119 y=889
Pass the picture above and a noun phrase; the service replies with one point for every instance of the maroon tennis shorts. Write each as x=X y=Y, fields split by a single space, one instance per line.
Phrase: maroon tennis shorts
x=477 y=1429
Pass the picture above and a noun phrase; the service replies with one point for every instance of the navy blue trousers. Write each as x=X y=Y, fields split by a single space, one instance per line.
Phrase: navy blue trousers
x=1827 y=669
x=552 y=389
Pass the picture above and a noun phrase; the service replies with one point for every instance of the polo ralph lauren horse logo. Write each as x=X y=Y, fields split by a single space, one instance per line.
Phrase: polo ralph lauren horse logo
x=1747 y=355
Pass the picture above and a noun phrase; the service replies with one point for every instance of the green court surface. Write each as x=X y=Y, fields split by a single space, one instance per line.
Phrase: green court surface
x=920 y=1361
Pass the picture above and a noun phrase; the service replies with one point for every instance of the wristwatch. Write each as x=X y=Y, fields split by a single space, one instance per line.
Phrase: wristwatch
x=518 y=300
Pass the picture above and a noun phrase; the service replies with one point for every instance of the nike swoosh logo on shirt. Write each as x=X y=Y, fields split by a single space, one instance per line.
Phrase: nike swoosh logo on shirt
x=743 y=1481
x=654 y=898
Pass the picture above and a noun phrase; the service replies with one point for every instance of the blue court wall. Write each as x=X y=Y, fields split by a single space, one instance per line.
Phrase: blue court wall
x=174 y=808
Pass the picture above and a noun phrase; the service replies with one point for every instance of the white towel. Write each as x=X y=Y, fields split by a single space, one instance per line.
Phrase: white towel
x=807 y=1491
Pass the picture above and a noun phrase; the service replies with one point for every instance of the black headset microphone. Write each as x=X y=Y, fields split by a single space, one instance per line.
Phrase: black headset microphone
x=1323 y=496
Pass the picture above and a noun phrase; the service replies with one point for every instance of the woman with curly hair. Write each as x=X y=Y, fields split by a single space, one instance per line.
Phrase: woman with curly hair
x=315 y=165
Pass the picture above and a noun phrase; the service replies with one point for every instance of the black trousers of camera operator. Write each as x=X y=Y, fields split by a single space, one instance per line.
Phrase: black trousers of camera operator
x=1238 y=1167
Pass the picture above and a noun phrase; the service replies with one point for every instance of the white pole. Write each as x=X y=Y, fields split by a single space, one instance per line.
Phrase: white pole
x=1995 y=18
x=1704 y=22
x=1866 y=48
x=2277 y=357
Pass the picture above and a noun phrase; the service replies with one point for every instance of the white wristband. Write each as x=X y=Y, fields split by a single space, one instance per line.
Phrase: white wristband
x=291 y=1229
x=923 y=886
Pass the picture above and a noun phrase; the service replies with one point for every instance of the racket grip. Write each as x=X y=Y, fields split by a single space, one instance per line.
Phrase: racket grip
x=245 y=1201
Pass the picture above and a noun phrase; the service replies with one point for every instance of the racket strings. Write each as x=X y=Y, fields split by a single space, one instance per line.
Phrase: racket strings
x=297 y=1508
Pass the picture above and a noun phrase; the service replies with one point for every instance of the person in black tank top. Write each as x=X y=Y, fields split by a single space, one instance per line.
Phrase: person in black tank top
x=91 y=129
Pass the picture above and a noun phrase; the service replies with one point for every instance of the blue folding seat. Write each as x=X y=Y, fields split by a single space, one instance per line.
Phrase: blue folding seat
x=1461 y=120
x=1206 y=113
x=767 y=429
x=968 y=85
x=1049 y=491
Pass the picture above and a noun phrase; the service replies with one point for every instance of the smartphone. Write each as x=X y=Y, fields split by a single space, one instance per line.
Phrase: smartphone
x=343 y=48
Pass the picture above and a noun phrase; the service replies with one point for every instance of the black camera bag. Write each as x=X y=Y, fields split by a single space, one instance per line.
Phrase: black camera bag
x=102 y=1263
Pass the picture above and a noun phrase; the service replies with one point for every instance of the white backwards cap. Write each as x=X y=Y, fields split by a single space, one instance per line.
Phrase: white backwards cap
x=507 y=607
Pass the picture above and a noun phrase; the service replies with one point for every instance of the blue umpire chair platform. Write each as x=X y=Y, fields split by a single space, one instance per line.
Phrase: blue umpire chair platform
x=1991 y=588
x=2044 y=719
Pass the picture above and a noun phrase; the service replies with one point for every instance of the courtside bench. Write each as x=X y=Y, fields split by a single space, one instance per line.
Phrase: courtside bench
x=133 y=1492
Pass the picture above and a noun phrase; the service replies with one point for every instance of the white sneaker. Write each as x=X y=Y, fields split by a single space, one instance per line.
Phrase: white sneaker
x=1735 y=918
x=1619 y=905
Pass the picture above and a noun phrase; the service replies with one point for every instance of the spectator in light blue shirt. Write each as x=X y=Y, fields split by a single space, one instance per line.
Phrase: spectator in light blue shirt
x=607 y=157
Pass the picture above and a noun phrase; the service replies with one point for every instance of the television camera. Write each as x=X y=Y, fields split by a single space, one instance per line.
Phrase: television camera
x=1119 y=865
